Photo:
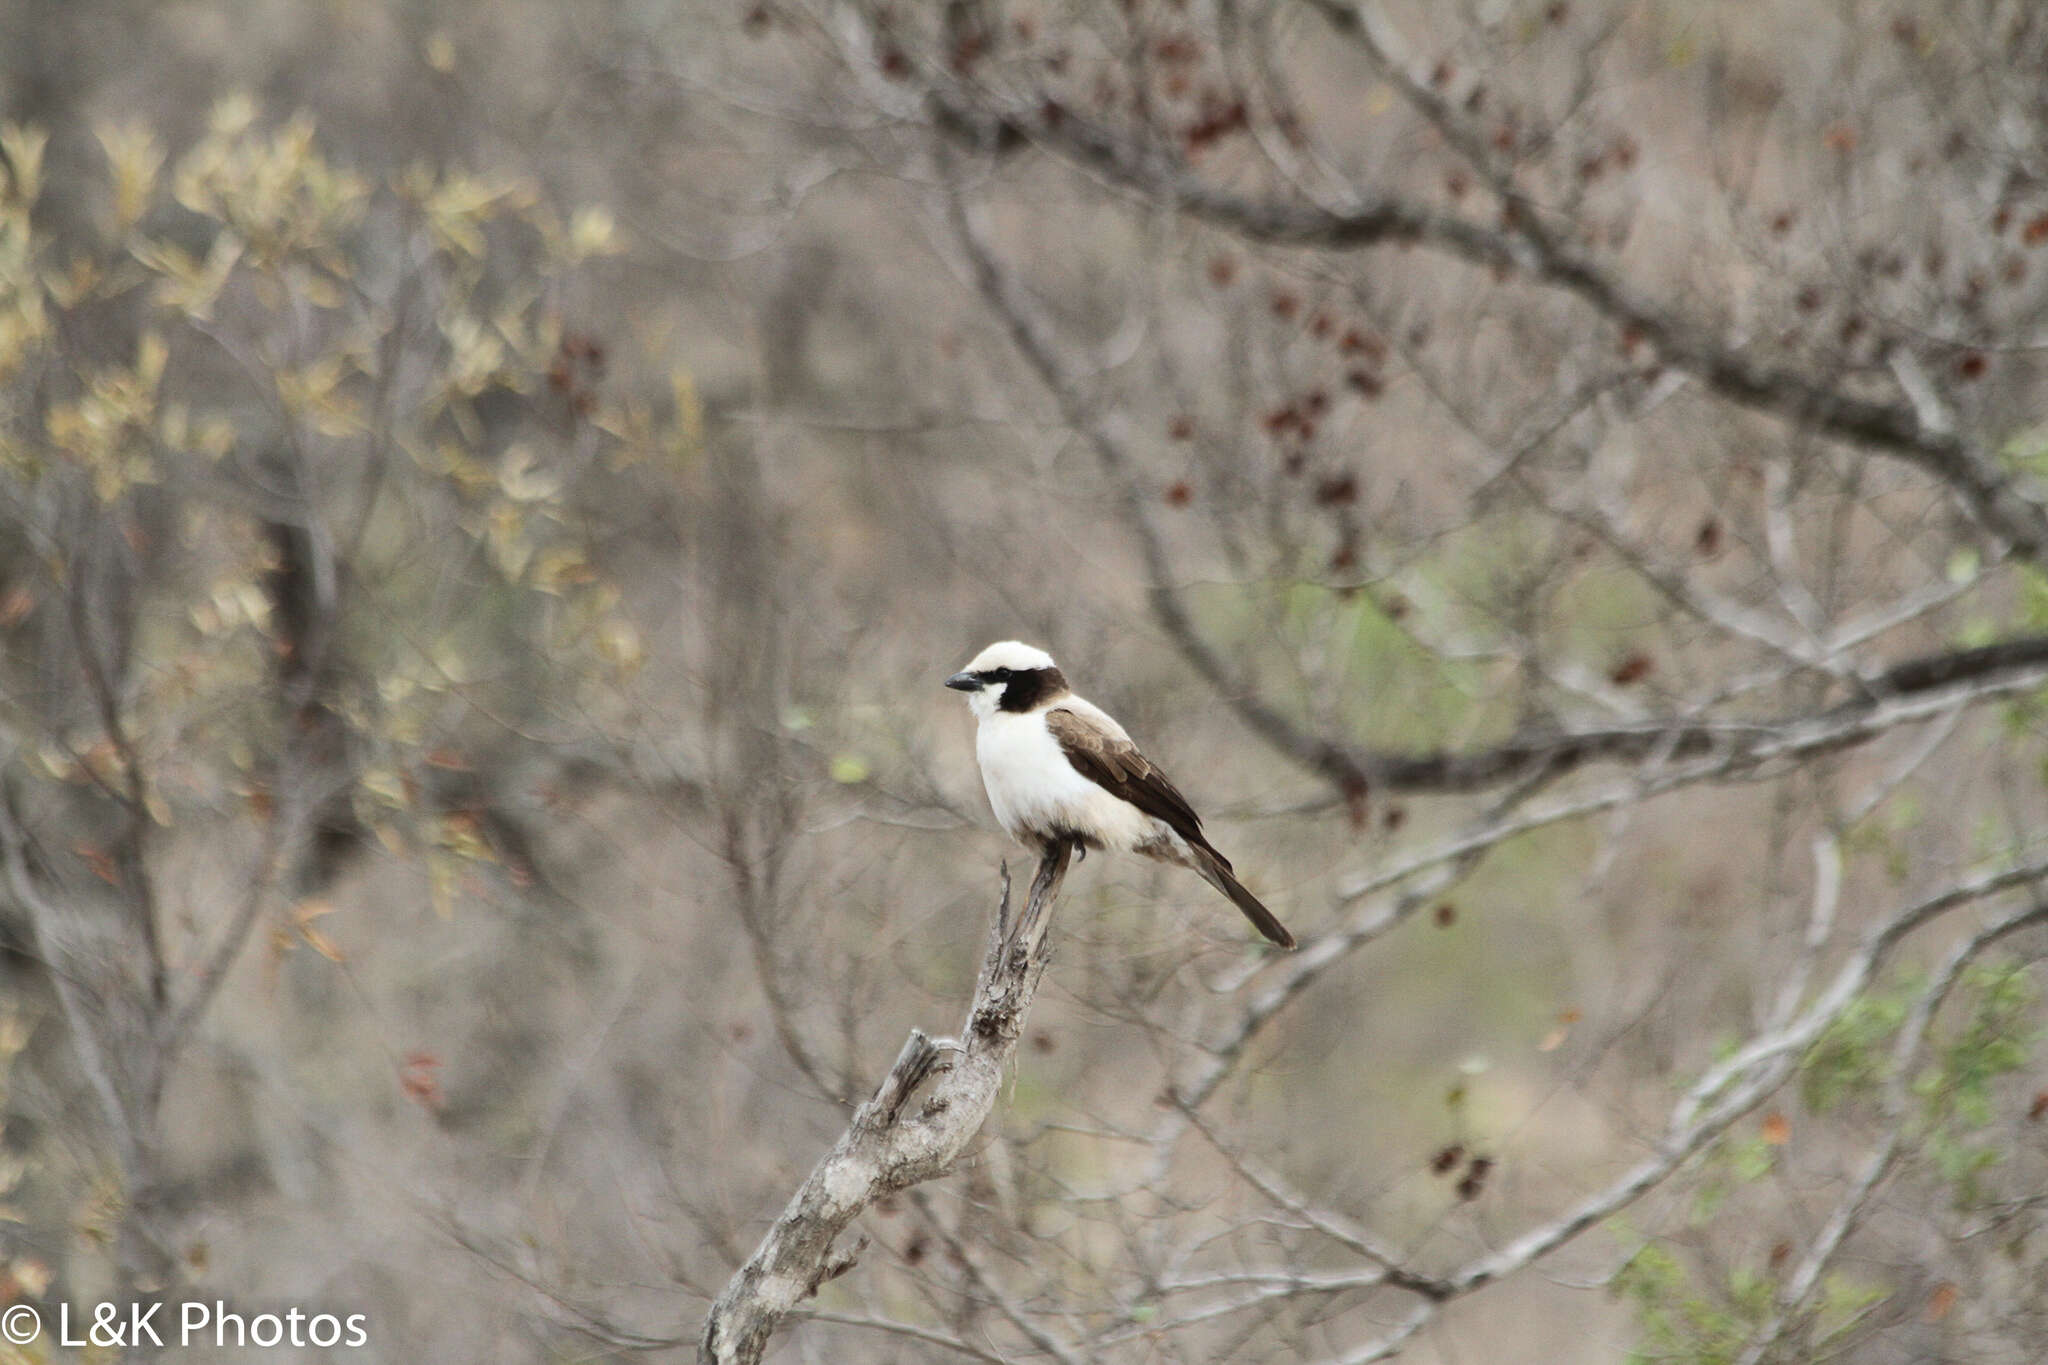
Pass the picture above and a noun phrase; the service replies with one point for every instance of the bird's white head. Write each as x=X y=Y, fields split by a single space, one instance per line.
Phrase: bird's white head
x=1009 y=676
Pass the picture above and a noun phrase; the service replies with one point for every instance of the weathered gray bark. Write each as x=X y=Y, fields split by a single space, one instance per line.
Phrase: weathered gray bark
x=892 y=1142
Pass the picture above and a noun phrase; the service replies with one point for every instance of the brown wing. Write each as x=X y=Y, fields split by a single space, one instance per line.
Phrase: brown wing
x=1116 y=766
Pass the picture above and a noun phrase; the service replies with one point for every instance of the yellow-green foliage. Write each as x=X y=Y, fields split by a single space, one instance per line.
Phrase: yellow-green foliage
x=1685 y=1317
x=267 y=334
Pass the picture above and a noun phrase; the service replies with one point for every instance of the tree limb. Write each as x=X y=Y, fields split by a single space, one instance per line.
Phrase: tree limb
x=1354 y=770
x=890 y=1143
x=1899 y=429
x=1161 y=175
x=1996 y=669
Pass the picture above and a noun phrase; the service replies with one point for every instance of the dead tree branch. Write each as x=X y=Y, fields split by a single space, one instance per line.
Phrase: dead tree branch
x=1897 y=429
x=891 y=1143
x=1355 y=770
x=1159 y=174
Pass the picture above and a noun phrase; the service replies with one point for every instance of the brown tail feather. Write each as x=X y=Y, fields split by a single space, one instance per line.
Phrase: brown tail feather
x=1217 y=873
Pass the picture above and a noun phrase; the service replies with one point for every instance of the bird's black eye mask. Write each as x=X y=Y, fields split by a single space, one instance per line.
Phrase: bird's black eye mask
x=1023 y=688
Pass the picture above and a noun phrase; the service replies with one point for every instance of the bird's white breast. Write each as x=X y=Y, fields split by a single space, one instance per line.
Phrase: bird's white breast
x=1034 y=790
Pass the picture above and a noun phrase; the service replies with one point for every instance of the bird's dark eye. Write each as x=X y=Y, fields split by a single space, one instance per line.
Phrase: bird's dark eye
x=995 y=675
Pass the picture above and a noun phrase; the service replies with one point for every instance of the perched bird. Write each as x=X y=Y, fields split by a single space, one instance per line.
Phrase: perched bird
x=1057 y=766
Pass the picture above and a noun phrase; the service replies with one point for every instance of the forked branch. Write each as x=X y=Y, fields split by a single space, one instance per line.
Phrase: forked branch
x=894 y=1140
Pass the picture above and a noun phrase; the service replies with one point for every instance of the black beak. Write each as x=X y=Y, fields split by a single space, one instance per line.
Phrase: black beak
x=964 y=682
